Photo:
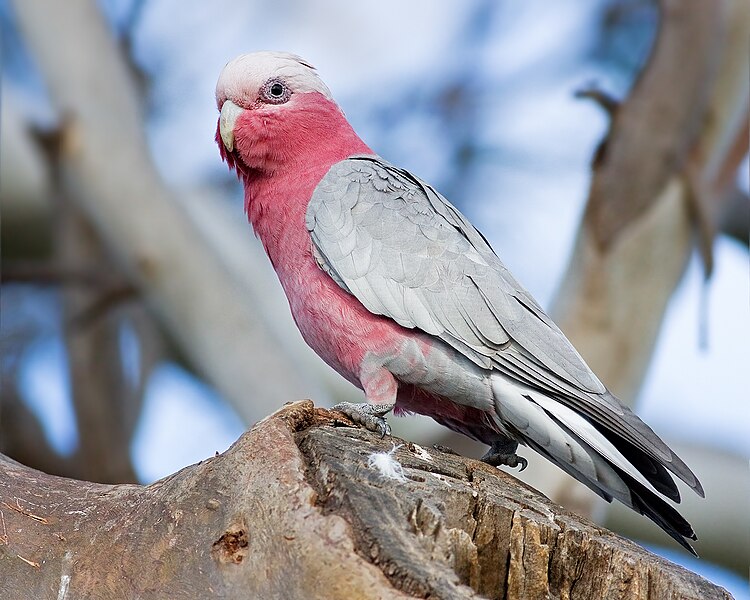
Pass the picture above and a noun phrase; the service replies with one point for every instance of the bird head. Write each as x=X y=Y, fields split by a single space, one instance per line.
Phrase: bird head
x=275 y=110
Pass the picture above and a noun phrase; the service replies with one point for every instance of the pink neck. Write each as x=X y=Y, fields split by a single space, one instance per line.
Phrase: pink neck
x=303 y=147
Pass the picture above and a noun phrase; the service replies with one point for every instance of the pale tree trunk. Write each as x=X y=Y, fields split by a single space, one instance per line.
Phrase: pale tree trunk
x=661 y=174
x=294 y=510
x=106 y=403
x=662 y=179
x=106 y=164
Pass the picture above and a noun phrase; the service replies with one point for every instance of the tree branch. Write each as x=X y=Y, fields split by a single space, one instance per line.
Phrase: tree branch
x=653 y=130
x=108 y=172
x=674 y=130
x=95 y=362
x=654 y=185
x=25 y=185
x=292 y=510
x=735 y=220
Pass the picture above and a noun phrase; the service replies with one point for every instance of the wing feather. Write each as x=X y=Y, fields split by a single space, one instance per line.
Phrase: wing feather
x=406 y=253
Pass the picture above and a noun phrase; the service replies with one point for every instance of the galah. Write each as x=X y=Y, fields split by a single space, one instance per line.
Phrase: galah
x=395 y=289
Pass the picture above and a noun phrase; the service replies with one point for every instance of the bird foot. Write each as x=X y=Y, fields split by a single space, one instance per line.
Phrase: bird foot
x=370 y=416
x=504 y=453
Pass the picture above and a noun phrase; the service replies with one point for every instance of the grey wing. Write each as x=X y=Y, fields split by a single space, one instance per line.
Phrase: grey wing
x=406 y=253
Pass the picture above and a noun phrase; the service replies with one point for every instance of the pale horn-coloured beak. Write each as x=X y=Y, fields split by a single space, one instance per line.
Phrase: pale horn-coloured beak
x=230 y=112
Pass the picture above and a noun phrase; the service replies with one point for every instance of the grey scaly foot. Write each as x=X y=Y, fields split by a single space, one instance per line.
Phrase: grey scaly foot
x=368 y=415
x=503 y=452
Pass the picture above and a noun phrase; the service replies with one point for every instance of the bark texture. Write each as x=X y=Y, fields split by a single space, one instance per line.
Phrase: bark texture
x=294 y=510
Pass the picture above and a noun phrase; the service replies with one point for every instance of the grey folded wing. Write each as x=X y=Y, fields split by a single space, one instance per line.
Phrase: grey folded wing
x=406 y=253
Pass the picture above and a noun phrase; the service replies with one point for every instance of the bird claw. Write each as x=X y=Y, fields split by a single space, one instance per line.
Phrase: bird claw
x=383 y=427
x=508 y=460
x=370 y=416
x=504 y=453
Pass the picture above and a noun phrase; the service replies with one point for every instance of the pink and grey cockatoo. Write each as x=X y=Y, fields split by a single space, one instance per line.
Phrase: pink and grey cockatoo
x=393 y=287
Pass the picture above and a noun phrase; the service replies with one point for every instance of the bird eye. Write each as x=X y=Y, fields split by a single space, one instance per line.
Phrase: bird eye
x=275 y=92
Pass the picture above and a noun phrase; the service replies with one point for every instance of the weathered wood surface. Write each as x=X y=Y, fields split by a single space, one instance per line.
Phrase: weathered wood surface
x=292 y=510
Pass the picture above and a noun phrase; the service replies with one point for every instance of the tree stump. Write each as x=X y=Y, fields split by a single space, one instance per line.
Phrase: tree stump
x=294 y=510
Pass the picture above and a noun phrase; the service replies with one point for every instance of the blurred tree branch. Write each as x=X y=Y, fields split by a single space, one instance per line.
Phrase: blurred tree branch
x=660 y=180
x=105 y=407
x=108 y=172
x=23 y=437
x=52 y=273
x=735 y=220
x=25 y=186
x=683 y=126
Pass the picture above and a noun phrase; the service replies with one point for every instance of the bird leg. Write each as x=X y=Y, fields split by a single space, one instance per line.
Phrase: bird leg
x=370 y=416
x=503 y=452
x=381 y=389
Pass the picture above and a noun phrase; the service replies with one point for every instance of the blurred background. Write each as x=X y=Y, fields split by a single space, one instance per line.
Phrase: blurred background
x=142 y=328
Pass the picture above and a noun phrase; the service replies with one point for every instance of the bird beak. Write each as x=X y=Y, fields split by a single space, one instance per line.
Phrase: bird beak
x=230 y=112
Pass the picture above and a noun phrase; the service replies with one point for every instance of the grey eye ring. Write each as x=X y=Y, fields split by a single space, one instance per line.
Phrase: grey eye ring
x=275 y=91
